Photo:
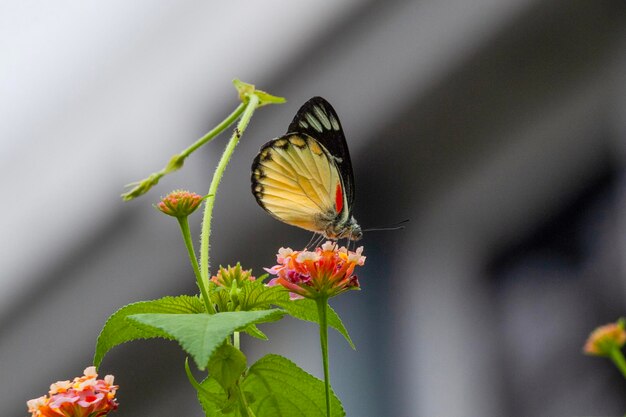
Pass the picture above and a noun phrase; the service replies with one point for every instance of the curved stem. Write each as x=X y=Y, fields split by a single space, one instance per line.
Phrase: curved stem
x=184 y=228
x=215 y=131
x=176 y=162
x=197 y=385
x=215 y=182
x=322 y=306
x=618 y=359
x=244 y=402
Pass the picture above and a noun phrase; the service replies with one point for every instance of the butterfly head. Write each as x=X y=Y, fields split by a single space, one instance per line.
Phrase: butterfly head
x=349 y=229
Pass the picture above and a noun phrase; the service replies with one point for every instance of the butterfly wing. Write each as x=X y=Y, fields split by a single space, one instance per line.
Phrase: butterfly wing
x=317 y=119
x=297 y=180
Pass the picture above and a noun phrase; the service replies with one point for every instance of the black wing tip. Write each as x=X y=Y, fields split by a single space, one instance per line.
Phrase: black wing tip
x=317 y=100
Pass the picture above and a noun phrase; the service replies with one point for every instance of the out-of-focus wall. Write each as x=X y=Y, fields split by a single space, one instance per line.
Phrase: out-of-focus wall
x=496 y=127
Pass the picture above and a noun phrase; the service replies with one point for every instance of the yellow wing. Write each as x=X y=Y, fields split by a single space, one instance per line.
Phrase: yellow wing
x=296 y=180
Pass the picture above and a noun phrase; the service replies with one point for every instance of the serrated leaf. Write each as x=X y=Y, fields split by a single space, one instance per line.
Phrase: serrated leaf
x=226 y=365
x=254 y=331
x=281 y=389
x=118 y=330
x=258 y=295
x=200 y=334
x=307 y=310
x=213 y=399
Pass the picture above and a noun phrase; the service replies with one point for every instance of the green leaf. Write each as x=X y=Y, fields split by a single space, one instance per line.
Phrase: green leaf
x=200 y=334
x=118 y=330
x=254 y=331
x=213 y=399
x=307 y=310
x=245 y=90
x=210 y=394
x=258 y=295
x=281 y=389
x=226 y=365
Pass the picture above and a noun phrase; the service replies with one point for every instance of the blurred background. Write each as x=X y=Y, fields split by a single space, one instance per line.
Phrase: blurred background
x=497 y=127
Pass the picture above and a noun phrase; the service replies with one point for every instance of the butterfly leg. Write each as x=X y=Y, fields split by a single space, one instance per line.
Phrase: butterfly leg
x=306 y=247
x=319 y=241
x=315 y=241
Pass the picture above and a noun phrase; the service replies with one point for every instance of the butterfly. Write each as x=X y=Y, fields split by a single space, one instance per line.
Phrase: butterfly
x=304 y=178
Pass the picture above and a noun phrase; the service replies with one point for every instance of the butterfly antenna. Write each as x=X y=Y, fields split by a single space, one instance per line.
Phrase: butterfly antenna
x=397 y=226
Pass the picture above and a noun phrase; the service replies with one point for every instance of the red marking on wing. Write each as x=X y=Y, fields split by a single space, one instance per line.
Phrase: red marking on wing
x=338 y=198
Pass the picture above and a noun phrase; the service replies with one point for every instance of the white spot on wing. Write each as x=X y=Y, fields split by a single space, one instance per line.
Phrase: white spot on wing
x=304 y=124
x=334 y=122
x=314 y=122
x=322 y=116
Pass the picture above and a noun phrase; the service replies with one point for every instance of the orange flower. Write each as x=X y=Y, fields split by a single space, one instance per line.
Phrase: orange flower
x=179 y=203
x=85 y=396
x=325 y=272
x=606 y=338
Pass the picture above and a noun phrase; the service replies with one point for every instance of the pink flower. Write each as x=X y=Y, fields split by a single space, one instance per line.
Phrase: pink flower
x=326 y=271
x=179 y=203
x=85 y=396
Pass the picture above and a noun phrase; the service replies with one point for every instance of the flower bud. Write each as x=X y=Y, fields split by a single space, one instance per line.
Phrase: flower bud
x=604 y=339
x=232 y=277
x=179 y=203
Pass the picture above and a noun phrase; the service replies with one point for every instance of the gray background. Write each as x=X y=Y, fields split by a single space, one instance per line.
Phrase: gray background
x=496 y=126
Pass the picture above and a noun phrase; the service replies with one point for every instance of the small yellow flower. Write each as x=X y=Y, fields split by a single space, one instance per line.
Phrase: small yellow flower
x=605 y=339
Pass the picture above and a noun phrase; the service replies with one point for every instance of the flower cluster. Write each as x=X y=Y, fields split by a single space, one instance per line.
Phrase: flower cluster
x=226 y=276
x=606 y=338
x=85 y=396
x=325 y=272
x=179 y=203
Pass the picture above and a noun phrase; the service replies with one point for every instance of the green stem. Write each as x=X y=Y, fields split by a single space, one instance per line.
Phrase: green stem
x=176 y=162
x=198 y=386
x=184 y=228
x=244 y=402
x=215 y=182
x=618 y=359
x=215 y=131
x=236 y=338
x=322 y=306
